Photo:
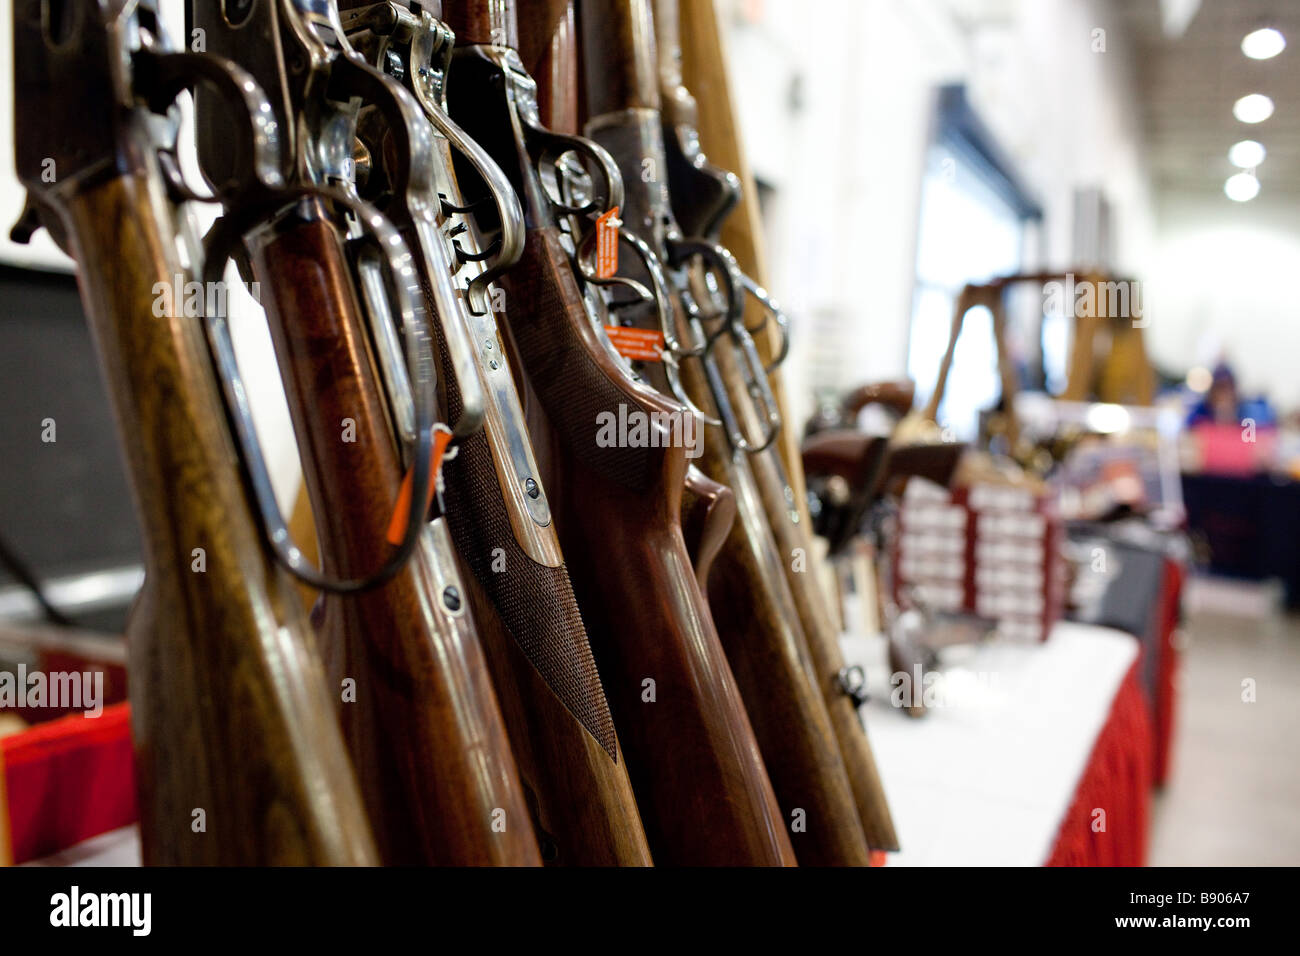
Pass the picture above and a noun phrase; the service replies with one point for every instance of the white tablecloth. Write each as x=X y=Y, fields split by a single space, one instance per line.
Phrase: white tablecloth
x=986 y=778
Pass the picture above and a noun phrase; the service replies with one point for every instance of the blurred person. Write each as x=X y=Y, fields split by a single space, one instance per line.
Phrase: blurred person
x=1223 y=405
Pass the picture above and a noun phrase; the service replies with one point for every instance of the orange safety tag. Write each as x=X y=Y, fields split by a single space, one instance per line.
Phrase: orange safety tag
x=402 y=509
x=607 y=244
x=642 y=345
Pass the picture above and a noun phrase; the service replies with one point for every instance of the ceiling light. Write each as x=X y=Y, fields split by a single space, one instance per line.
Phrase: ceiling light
x=1253 y=108
x=1247 y=154
x=1243 y=187
x=1263 y=44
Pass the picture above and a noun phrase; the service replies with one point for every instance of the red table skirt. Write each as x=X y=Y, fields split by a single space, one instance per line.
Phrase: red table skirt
x=1167 y=668
x=72 y=779
x=1106 y=824
x=66 y=781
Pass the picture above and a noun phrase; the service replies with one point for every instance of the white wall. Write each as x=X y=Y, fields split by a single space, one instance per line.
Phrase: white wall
x=1224 y=284
x=847 y=167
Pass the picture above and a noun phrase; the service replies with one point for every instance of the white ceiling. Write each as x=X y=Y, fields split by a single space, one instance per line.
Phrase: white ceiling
x=1188 y=84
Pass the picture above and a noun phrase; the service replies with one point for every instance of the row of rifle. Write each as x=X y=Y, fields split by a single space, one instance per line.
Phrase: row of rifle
x=566 y=609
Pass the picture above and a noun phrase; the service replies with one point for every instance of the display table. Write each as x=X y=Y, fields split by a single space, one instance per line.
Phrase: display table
x=1030 y=741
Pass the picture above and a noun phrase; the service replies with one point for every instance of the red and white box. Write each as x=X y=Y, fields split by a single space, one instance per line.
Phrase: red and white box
x=993 y=550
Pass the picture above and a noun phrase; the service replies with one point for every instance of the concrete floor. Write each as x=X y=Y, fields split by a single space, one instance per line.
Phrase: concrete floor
x=1233 y=797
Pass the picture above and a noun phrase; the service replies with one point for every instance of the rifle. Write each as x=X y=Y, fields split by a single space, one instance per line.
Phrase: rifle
x=756 y=613
x=703 y=196
x=422 y=721
x=239 y=759
x=500 y=499
x=689 y=746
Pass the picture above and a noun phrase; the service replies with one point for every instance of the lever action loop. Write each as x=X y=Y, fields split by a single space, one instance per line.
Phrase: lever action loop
x=772 y=309
x=720 y=263
x=415 y=206
x=222 y=243
x=673 y=351
x=258 y=192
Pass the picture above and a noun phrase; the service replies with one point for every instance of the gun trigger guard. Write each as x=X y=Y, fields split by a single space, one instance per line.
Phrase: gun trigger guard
x=662 y=298
x=723 y=265
x=546 y=147
x=672 y=372
x=774 y=311
x=221 y=245
x=178 y=191
x=160 y=77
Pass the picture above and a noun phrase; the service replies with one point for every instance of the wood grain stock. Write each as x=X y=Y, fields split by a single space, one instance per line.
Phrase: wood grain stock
x=704 y=795
x=555 y=55
x=424 y=730
x=230 y=710
x=777 y=472
x=704 y=70
x=708 y=513
x=579 y=790
x=793 y=536
x=488 y=22
x=617 y=80
x=760 y=626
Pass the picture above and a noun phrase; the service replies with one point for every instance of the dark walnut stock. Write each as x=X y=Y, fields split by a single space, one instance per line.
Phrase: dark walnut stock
x=759 y=624
x=793 y=537
x=230 y=711
x=704 y=796
x=425 y=732
x=618 y=514
x=578 y=785
x=755 y=610
x=708 y=513
x=897 y=397
x=787 y=518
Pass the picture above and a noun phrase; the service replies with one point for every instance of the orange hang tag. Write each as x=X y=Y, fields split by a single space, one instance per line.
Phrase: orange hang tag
x=607 y=244
x=402 y=509
x=642 y=345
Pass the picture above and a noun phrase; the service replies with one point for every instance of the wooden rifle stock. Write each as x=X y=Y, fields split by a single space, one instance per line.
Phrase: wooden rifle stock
x=548 y=45
x=424 y=728
x=708 y=513
x=789 y=523
x=230 y=711
x=756 y=613
x=689 y=746
x=577 y=783
x=238 y=757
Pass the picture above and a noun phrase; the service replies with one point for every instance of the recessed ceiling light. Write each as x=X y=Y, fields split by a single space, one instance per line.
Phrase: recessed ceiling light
x=1247 y=154
x=1263 y=44
x=1242 y=187
x=1253 y=108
